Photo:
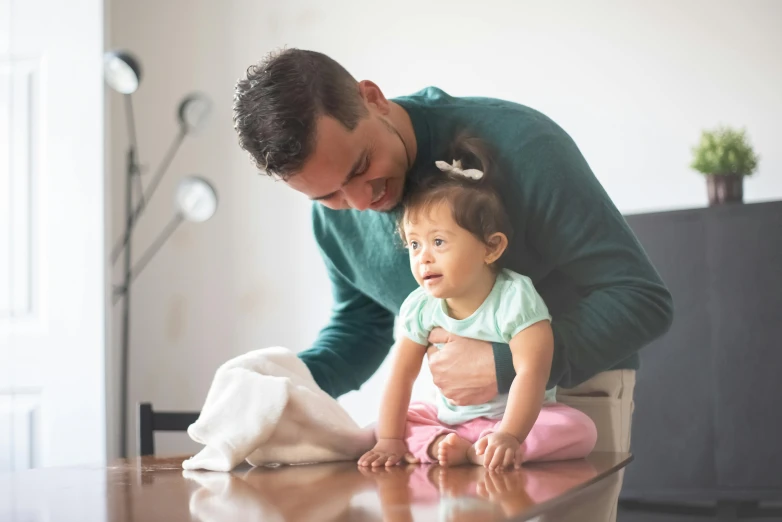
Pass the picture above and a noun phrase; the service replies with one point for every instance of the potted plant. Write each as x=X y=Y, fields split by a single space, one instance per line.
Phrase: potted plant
x=725 y=156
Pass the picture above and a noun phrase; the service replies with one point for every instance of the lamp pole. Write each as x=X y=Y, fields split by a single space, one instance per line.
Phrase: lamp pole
x=125 y=340
x=131 y=171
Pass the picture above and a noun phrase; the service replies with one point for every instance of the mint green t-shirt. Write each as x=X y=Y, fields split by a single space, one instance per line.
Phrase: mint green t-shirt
x=512 y=305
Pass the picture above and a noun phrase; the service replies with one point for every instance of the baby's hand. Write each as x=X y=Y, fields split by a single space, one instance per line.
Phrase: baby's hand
x=500 y=450
x=387 y=452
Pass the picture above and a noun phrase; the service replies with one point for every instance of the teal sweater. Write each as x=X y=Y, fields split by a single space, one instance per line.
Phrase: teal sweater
x=606 y=299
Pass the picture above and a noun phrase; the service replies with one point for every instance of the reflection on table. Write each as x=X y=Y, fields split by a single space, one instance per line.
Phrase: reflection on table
x=148 y=488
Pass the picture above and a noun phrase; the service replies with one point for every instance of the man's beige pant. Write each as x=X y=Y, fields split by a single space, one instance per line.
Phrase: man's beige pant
x=608 y=399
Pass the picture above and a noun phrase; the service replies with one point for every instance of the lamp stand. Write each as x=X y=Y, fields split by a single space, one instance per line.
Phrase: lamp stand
x=132 y=170
x=133 y=210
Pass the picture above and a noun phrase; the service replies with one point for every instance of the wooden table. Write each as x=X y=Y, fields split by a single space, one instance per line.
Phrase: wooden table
x=147 y=489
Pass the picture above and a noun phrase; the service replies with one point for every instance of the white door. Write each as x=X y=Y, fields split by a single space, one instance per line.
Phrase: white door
x=52 y=222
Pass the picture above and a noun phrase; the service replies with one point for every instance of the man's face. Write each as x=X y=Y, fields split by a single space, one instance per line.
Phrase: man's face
x=362 y=169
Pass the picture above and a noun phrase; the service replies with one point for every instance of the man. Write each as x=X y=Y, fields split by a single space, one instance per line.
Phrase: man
x=304 y=119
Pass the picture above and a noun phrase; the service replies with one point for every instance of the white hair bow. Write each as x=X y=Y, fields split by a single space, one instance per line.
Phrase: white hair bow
x=456 y=168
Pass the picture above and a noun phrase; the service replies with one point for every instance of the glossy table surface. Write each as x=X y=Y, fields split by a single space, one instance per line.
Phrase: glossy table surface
x=151 y=488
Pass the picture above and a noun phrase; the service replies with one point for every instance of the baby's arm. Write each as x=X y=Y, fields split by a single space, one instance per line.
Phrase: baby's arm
x=533 y=350
x=406 y=366
x=396 y=397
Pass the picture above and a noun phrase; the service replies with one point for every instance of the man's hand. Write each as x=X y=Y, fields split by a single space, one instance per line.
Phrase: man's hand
x=464 y=369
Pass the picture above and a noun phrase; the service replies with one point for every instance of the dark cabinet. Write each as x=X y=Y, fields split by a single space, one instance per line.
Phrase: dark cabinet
x=707 y=424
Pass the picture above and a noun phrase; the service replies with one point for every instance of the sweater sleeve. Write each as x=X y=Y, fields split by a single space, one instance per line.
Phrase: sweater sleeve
x=571 y=221
x=356 y=340
x=503 y=366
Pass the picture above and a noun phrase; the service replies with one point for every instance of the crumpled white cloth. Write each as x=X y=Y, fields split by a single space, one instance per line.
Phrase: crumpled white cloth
x=264 y=407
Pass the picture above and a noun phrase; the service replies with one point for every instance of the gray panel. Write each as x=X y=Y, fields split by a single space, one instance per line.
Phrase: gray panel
x=708 y=421
x=673 y=420
x=746 y=283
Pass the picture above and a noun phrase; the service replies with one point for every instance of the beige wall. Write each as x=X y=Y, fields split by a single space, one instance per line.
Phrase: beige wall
x=633 y=82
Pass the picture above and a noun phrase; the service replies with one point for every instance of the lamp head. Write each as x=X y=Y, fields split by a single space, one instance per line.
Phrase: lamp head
x=195 y=199
x=194 y=109
x=121 y=71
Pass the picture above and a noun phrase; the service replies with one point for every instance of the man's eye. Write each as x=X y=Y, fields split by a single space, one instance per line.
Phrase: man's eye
x=334 y=199
x=438 y=242
x=364 y=168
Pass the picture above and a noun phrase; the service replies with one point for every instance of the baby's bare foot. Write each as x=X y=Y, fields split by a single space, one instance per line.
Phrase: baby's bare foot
x=452 y=450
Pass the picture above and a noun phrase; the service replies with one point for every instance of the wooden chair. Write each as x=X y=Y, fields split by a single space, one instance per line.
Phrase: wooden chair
x=150 y=421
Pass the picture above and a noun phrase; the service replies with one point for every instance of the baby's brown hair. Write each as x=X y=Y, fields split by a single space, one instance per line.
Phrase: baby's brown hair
x=475 y=204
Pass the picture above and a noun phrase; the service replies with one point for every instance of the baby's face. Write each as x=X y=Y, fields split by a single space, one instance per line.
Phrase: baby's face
x=445 y=259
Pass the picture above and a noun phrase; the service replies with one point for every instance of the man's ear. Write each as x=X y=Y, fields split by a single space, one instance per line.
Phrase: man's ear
x=495 y=247
x=374 y=97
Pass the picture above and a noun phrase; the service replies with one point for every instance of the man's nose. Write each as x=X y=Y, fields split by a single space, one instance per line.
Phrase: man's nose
x=358 y=195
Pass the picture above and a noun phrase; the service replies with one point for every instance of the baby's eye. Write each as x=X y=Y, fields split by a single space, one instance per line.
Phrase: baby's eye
x=413 y=245
x=438 y=242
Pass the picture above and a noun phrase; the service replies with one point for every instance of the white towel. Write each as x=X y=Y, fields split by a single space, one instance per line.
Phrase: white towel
x=264 y=407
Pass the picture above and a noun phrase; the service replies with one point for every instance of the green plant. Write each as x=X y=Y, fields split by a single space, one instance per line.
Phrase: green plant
x=724 y=151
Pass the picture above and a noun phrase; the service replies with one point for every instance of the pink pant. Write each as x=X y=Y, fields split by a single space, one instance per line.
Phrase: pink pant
x=559 y=433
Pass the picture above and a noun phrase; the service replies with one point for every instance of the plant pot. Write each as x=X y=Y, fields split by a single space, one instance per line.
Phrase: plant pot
x=725 y=188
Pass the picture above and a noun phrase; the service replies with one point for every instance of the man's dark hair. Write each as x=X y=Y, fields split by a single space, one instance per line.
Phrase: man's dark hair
x=277 y=106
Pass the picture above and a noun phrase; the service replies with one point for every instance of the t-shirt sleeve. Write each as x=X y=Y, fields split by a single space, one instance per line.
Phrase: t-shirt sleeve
x=411 y=316
x=522 y=306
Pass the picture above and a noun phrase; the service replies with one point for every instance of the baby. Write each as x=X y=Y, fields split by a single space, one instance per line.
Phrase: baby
x=455 y=228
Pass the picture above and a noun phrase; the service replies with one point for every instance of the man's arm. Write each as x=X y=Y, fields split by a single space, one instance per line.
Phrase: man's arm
x=570 y=221
x=503 y=366
x=356 y=340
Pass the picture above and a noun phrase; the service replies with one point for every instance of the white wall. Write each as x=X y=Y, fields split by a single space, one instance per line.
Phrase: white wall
x=632 y=82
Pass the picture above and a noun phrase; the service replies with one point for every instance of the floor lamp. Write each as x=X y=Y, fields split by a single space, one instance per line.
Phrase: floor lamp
x=195 y=198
